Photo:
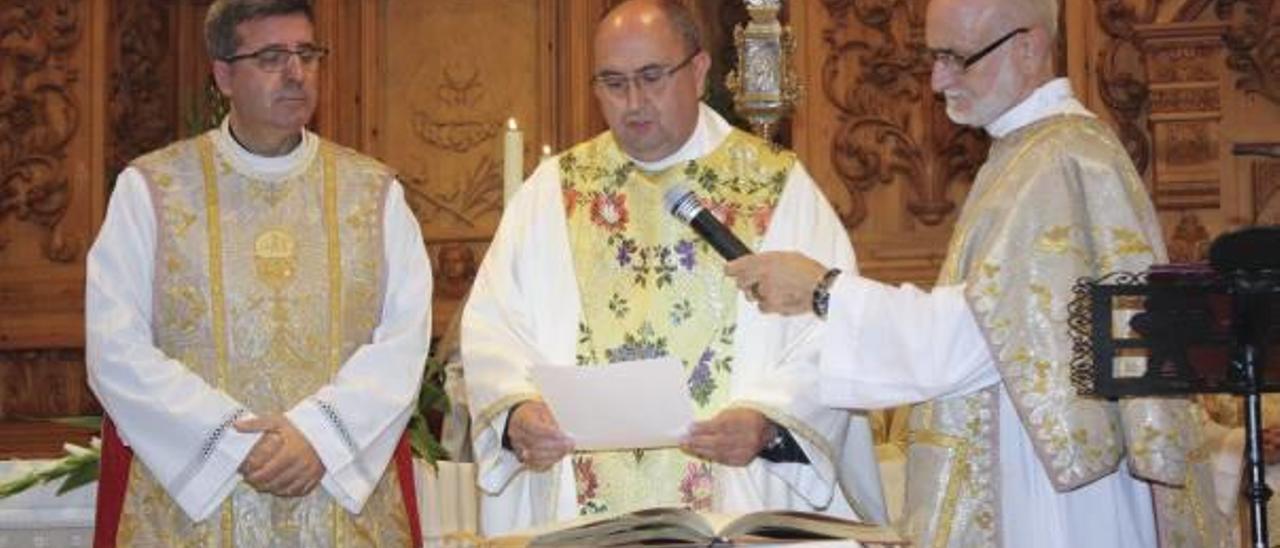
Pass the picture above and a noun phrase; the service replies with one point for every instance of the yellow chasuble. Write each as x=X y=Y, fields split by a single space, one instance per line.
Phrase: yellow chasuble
x=264 y=288
x=650 y=287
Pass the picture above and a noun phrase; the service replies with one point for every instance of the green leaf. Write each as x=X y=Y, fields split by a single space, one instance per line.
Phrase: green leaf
x=77 y=470
x=13 y=487
x=431 y=398
x=81 y=476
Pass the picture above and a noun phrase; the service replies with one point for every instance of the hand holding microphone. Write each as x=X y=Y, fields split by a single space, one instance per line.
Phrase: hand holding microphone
x=779 y=282
x=685 y=205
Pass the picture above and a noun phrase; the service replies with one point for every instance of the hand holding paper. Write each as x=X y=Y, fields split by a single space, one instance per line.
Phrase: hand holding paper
x=535 y=436
x=733 y=437
x=627 y=405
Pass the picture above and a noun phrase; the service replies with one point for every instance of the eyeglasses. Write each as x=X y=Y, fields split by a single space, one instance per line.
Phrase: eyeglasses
x=276 y=58
x=955 y=61
x=649 y=80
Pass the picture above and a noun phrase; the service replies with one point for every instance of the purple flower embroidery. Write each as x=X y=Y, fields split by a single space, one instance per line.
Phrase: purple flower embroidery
x=684 y=248
x=701 y=385
x=625 y=248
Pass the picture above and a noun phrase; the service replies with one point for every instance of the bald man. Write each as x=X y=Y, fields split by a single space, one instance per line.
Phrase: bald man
x=587 y=268
x=1003 y=452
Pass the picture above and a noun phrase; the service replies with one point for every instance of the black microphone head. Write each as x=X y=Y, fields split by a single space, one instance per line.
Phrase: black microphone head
x=685 y=206
x=1254 y=248
x=681 y=201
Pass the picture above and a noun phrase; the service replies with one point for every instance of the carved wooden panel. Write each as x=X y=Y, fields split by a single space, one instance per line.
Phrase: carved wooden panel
x=449 y=75
x=1184 y=72
x=1266 y=192
x=44 y=383
x=876 y=138
x=143 y=98
x=50 y=169
x=1253 y=43
x=1183 y=81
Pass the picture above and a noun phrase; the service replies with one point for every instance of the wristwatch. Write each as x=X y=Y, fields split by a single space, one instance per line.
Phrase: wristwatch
x=822 y=292
x=775 y=443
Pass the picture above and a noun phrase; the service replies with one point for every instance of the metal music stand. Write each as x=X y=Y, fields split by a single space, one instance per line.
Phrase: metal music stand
x=1189 y=329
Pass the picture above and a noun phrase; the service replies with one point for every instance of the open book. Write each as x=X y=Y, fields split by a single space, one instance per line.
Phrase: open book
x=679 y=525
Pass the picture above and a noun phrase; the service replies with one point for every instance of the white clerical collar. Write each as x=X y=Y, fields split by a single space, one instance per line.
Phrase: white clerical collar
x=265 y=167
x=1051 y=99
x=707 y=135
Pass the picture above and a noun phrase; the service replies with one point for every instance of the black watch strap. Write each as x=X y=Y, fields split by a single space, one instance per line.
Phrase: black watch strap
x=822 y=292
x=783 y=448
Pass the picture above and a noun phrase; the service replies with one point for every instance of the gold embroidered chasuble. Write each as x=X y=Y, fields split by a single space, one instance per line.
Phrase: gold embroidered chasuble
x=1055 y=201
x=264 y=287
x=650 y=287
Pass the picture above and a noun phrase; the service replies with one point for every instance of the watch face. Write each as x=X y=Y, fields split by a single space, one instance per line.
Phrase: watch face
x=820 y=304
x=822 y=293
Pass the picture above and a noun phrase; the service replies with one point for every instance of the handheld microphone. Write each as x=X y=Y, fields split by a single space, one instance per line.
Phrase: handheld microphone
x=684 y=204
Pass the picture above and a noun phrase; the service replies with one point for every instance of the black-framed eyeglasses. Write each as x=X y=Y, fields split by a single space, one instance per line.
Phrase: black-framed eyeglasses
x=276 y=58
x=956 y=61
x=649 y=80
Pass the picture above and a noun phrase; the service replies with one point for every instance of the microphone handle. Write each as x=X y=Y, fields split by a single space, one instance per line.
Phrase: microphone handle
x=719 y=236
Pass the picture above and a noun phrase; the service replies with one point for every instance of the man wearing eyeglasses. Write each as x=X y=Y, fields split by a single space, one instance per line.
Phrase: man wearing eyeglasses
x=257 y=316
x=1003 y=452
x=587 y=267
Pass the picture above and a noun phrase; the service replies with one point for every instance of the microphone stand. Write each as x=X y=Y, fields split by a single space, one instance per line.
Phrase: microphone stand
x=1250 y=290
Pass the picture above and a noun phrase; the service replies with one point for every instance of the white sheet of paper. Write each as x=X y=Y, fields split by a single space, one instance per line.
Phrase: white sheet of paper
x=626 y=405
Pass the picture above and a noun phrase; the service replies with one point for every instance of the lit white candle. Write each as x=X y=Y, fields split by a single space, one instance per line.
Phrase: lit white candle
x=546 y=153
x=512 y=160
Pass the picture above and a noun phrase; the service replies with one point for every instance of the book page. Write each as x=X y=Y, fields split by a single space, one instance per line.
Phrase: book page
x=627 y=405
x=785 y=524
x=661 y=523
x=673 y=524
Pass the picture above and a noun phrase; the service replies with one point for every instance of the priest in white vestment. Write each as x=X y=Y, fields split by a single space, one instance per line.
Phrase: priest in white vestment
x=588 y=268
x=257 y=319
x=1002 y=450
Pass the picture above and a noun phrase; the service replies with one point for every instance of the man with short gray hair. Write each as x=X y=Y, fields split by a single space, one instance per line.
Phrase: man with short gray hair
x=1003 y=451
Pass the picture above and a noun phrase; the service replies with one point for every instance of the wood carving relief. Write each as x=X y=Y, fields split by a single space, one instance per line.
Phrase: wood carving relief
x=454 y=265
x=1161 y=76
x=44 y=383
x=142 y=102
x=1122 y=78
x=451 y=72
x=1253 y=41
x=449 y=88
x=1184 y=69
x=1190 y=240
x=38 y=117
x=459 y=116
x=876 y=75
